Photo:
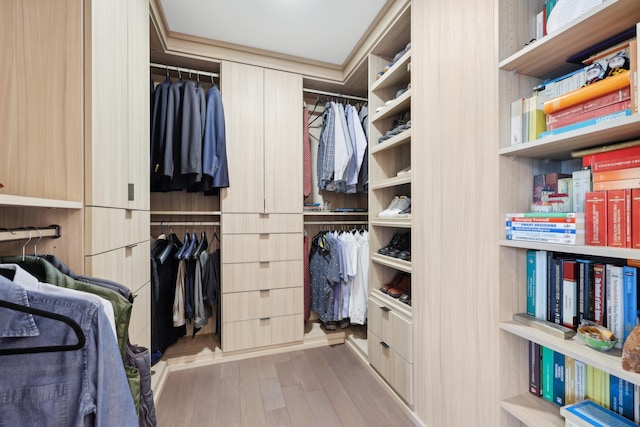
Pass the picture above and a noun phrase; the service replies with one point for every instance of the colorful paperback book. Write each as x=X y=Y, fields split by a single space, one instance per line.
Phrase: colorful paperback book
x=580 y=379
x=547 y=374
x=544 y=228
x=558 y=379
x=599 y=287
x=570 y=293
x=621 y=396
x=521 y=220
x=541 y=284
x=544 y=225
x=614 y=289
x=569 y=380
x=629 y=299
x=585 y=123
x=565 y=239
x=590 y=414
x=546 y=215
x=531 y=282
x=589 y=115
x=534 y=368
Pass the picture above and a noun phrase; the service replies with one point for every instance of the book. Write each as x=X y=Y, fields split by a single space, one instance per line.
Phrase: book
x=590 y=105
x=619 y=218
x=588 y=153
x=569 y=380
x=550 y=328
x=609 y=152
x=534 y=368
x=585 y=289
x=531 y=282
x=594 y=90
x=565 y=186
x=537 y=122
x=589 y=414
x=570 y=301
x=546 y=373
x=581 y=180
x=621 y=396
x=590 y=122
x=618 y=184
x=599 y=294
x=554 y=238
x=589 y=115
x=553 y=303
x=541 y=284
x=635 y=218
x=516 y=121
x=596 y=218
x=546 y=182
x=629 y=300
x=526 y=105
x=550 y=220
x=546 y=215
x=545 y=228
x=580 y=379
x=634 y=56
x=617 y=174
x=614 y=291
x=558 y=379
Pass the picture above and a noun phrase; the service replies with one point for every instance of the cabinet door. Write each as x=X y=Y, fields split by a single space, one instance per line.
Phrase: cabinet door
x=283 y=142
x=243 y=98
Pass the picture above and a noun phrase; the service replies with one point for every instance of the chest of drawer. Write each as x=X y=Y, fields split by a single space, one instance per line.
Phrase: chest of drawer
x=261 y=247
x=247 y=334
x=261 y=223
x=391 y=366
x=254 y=276
x=261 y=304
x=391 y=327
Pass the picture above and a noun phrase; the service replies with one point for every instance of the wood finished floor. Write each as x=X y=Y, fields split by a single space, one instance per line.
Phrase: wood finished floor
x=324 y=386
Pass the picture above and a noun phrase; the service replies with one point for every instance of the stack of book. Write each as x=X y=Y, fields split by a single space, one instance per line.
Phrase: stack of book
x=546 y=227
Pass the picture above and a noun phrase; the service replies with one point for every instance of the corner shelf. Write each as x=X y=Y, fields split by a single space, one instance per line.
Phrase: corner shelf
x=7 y=200
x=390 y=182
x=400 y=104
x=391 y=222
x=393 y=142
x=394 y=76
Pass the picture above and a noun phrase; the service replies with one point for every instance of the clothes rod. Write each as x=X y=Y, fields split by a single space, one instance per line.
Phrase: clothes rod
x=184 y=223
x=336 y=222
x=337 y=95
x=26 y=233
x=183 y=70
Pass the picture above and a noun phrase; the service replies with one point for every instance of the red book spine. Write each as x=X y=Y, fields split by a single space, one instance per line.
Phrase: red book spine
x=589 y=105
x=618 y=218
x=635 y=218
x=621 y=153
x=588 y=115
x=595 y=207
x=599 y=293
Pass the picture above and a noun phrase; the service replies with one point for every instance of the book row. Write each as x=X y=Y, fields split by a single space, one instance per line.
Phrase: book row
x=564 y=381
x=566 y=290
x=612 y=218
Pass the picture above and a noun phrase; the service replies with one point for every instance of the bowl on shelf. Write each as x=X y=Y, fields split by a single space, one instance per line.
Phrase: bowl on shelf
x=596 y=336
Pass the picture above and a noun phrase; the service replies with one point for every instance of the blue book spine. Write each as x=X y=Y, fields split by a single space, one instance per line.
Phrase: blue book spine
x=531 y=282
x=558 y=378
x=621 y=400
x=629 y=299
x=542 y=229
x=547 y=373
x=551 y=290
x=590 y=122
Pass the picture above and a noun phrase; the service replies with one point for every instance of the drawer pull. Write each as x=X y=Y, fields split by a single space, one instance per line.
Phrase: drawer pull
x=385 y=309
x=131 y=246
x=384 y=344
x=265 y=318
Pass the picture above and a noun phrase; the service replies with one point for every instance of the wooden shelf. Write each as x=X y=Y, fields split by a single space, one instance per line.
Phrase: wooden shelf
x=541 y=59
x=397 y=75
x=559 y=147
x=602 y=251
x=533 y=411
x=7 y=200
x=399 y=105
x=390 y=182
x=189 y=213
x=395 y=304
x=393 y=142
x=335 y=213
x=396 y=263
x=391 y=222
x=607 y=361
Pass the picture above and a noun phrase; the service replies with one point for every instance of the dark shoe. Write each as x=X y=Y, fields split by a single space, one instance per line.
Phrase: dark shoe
x=392 y=244
x=404 y=287
x=393 y=283
x=403 y=245
x=405 y=298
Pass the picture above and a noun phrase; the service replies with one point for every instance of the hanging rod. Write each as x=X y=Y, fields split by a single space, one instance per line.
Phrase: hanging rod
x=24 y=233
x=185 y=223
x=337 y=95
x=336 y=222
x=182 y=70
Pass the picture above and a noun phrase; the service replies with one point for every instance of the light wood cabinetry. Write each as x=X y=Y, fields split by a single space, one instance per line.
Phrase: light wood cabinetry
x=261 y=211
x=520 y=69
x=389 y=329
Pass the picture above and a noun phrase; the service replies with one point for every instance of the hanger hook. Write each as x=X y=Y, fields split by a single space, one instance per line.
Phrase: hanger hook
x=35 y=245
x=25 y=245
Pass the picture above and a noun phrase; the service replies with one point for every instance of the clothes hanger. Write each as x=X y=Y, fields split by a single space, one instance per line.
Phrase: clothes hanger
x=35 y=245
x=185 y=245
x=49 y=348
x=202 y=246
x=25 y=246
x=192 y=244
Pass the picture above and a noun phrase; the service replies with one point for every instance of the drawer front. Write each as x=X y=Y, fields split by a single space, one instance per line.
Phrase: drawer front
x=254 y=276
x=261 y=223
x=109 y=228
x=140 y=324
x=395 y=370
x=129 y=266
x=261 y=247
x=392 y=328
x=249 y=334
x=260 y=304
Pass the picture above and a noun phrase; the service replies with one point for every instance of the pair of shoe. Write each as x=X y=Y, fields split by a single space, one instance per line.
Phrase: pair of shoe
x=399 y=287
x=398 y=205
x=399 y=247
x=395 y=59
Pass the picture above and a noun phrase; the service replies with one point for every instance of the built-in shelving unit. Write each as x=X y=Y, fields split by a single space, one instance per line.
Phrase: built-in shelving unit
x=520 y=69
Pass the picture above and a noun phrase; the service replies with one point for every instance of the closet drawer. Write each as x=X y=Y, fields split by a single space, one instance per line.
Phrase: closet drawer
x=259 y=304
x=140 y=324
x=261 y=247
x=395 y=370
x=254 y=276
x=261 y=223
x=129 y=266
x=114 y=228
x=391 y=327
x=248 y=334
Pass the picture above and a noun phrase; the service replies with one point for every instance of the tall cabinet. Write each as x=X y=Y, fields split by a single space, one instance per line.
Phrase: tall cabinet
x=261 y=211
x=389 y=330
x=520 y=69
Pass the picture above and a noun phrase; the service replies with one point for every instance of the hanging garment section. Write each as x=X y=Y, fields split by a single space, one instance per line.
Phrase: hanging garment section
x=188 y=139
x=65 y=355
x=338 y=277
x=185 y=290
x=342 y=164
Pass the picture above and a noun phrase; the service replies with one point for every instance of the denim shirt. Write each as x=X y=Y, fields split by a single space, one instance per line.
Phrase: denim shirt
x=84 y=387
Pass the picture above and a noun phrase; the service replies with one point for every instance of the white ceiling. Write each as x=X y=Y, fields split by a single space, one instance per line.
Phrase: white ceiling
x=322 y=30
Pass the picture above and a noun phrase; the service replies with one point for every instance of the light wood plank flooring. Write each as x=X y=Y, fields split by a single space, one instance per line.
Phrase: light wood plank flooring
x=323 y=386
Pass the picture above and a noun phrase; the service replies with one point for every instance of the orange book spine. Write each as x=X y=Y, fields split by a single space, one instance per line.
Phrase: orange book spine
x=617 y=184
x=595 y=207
x=615 y=174
x=618 y=218
x=610 y=84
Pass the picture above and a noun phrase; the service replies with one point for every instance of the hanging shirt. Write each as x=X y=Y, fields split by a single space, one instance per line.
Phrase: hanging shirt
x=326 y=148
x=214 y=153
x=306 y=155
x=158 y=132
x=360 y=287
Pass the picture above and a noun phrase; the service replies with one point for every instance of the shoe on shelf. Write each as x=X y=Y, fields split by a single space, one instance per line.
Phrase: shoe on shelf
x=404 y=172
x=402 y=247
x=392 y=205
x=405 y=213
x=404 y=287
x=393 y=283
x=401 y=204
x=395 y=240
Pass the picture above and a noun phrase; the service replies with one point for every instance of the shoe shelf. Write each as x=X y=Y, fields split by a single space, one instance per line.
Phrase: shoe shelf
x=388 y=261
x=393 y=303
x=399 y=105
x=390 y=182
x=397 y=75
x=404 y=222
x=393 y=142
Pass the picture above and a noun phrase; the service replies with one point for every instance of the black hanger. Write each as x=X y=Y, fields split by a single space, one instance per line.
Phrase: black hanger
x=192 y=244
x=44 y=349
x=202 y=246
x=185 y=245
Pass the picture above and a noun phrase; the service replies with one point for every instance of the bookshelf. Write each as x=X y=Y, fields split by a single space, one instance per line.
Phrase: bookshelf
x=390 y=328
x=520 y=69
